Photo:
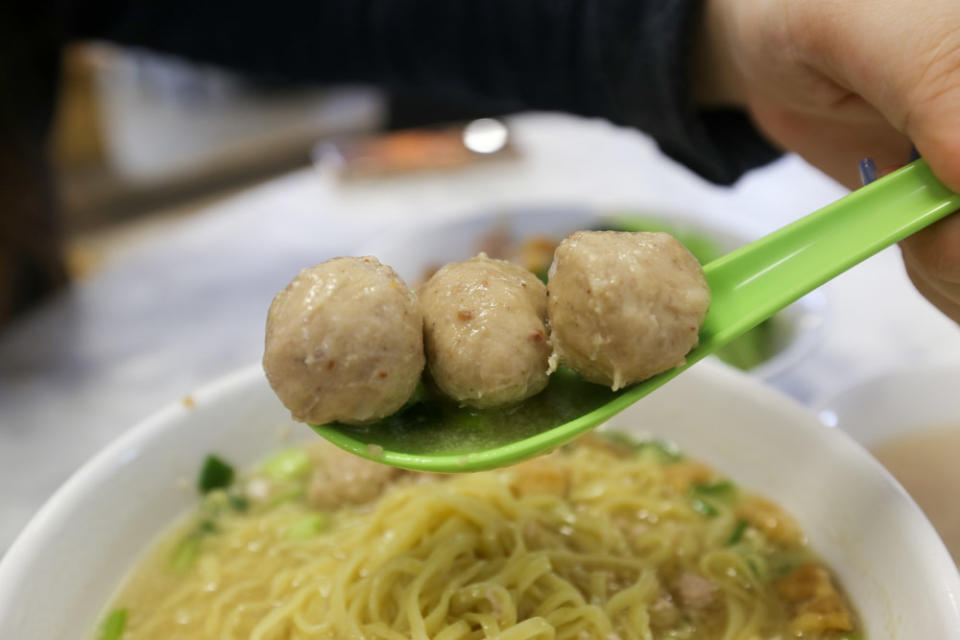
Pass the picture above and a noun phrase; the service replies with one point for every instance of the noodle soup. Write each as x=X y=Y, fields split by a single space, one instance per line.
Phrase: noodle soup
x=606 y=538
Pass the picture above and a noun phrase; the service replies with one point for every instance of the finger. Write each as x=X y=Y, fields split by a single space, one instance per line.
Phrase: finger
x=888 y=170
x=925 y=90
x=947 y=305
x=834 y=146
x=933 y=123
x=936 y=250
x=945 y=287
x=903 y=57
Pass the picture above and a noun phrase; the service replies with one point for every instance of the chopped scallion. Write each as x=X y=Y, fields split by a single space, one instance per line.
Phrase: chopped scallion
x=703 y=507
x=722 y=489
x=664 y=451
x=287 y=464
x=738 y=529
x=214 y=474
x=308 y=526
x=113 y=625
x=185 y=554
x=206 y=526
x=239 y=503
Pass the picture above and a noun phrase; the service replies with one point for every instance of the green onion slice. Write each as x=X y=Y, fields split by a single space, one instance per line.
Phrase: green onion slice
x=214 y=474
x=113 y=625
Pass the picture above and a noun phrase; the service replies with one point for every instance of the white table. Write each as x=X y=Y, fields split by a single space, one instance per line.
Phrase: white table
x=188 y=303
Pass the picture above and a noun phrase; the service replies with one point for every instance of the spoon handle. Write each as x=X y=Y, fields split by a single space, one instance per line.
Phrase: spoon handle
x=755 y=281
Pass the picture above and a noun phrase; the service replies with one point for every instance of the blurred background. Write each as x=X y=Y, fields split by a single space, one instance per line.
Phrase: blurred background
x=135 y=131
x=139 y=135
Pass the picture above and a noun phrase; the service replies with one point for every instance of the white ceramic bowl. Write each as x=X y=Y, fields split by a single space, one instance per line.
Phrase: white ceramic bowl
x=895 y=403
x=416 y=250
x=60 y=573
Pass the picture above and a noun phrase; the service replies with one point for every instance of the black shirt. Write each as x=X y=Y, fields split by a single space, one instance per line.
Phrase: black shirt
x=624 y=60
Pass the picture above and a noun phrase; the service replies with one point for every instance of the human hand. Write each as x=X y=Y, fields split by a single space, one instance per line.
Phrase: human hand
x=835 y=81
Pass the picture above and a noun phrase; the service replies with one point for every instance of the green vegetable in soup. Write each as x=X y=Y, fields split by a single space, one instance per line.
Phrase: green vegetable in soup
x=308 y=527
x=703 y=507
x=663 y=451
x=720 y=490
x=113 y=625
x=214 y=474
x=238 y=503
x=287 y=464
x=702 y=496
x=185 y=554
x=738 y=529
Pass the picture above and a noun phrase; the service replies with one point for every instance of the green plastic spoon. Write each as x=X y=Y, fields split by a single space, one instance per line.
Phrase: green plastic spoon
x=748 y=286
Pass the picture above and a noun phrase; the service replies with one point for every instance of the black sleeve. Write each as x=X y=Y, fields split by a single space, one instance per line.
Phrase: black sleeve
x=624 y=60
x=30 y=261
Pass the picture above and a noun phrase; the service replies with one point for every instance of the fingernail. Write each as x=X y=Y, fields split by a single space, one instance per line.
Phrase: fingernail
x=868 y=171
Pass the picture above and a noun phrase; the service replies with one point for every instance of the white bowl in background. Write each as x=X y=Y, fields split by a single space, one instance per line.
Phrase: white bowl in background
x=58 y=577
x=415 y=251
x=910 y=420
x=896 y=403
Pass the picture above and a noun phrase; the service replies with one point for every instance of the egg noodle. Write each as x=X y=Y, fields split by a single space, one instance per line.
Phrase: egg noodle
x=586 y=543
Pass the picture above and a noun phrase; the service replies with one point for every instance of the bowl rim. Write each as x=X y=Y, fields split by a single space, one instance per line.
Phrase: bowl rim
x=16 y=562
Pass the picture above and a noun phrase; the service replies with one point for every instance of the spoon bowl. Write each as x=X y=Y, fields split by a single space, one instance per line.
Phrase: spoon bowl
x=747 y=285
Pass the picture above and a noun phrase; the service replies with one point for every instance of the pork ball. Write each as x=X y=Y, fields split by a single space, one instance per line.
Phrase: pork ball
x=485 y=334
x=624 y=306
x=344 y=342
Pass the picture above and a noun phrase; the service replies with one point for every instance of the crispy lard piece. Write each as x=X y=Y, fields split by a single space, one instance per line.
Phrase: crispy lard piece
x=682 y=475
x=539 y=476
x=816 y=604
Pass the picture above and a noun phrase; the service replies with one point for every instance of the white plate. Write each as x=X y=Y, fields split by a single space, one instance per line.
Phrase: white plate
x=418 y=249
x=59 y=575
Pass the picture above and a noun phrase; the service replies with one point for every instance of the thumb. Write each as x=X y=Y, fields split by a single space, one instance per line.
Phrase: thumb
x=933 y=124
x=903 y=57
